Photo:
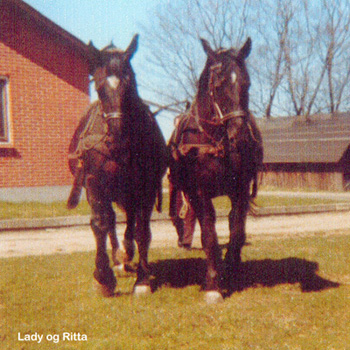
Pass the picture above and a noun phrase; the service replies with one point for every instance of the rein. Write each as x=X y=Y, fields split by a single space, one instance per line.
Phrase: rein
x=224 y=118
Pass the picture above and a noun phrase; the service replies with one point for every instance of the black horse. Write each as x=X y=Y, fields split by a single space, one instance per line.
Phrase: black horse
x=217 y=150
x=119 y=155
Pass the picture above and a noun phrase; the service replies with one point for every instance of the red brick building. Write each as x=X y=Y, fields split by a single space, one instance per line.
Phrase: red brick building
x=44 y=88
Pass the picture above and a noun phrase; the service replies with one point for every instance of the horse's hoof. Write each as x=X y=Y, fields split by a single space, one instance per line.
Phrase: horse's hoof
x=140 y=291
x=103 y=290
x=121 y=254
x=213 y=297
x=119 y=270
x=123 y=270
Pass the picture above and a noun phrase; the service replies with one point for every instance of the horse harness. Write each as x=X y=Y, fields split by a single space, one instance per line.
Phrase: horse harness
x=192 y=122
x=215 y=146
x=90 y=139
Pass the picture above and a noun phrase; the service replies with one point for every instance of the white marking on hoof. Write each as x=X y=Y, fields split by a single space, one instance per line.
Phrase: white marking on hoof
x=142 y=290
x=103 y=290
x=121 y=254
x=123 y=270
x=213 y=297
x=120 y=268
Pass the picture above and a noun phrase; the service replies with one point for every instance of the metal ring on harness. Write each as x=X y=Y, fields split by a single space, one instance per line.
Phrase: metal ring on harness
x=234 y=114
x=112 y=115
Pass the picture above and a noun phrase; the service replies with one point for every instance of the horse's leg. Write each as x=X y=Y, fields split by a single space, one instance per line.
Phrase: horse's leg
x=129 y=236
x=143 y=239
x=112 y=233
x=205 y=213
x=237 y=222
x=124 y=256
x=102 y=222
x=189 y=223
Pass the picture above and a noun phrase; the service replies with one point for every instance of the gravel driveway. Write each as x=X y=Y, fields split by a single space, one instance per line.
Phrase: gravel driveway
x=74 y=239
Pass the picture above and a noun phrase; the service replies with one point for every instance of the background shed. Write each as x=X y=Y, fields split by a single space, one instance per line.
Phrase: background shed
x=313 y=155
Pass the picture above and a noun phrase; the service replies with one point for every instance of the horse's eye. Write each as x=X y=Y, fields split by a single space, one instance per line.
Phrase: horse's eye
x=233 y=77
x=113 y=81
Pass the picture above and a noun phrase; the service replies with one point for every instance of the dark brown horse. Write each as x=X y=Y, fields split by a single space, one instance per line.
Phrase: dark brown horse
x=217 y=150
x=119 y=155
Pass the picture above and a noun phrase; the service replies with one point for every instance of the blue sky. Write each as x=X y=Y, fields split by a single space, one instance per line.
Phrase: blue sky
x=99 y=21
x=102 y=21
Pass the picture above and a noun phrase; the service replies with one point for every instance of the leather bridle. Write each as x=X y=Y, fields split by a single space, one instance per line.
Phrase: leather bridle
x=223 y=118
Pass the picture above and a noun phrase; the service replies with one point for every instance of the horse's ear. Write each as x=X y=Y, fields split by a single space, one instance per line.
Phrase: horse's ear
x=129 y=52
x=93 y=58
x=207 y=48
x=244 y=52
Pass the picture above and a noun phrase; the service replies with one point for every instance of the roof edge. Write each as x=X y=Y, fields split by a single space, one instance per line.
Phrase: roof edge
x=50 y=25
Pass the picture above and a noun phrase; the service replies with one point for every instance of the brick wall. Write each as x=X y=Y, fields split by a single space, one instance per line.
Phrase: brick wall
x=48 y=91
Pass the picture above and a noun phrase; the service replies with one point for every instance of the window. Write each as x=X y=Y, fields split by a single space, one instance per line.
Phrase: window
x=4 y=118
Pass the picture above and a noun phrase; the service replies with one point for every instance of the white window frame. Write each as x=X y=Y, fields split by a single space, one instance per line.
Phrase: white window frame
x=5 y=140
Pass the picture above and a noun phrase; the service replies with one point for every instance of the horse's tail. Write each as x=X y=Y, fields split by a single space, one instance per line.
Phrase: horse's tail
x=159 y=199
x=254 y=187
x=75 y=192
x=254 y=192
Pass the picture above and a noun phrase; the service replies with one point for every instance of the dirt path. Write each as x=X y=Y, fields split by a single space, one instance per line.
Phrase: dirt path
x=73 y=239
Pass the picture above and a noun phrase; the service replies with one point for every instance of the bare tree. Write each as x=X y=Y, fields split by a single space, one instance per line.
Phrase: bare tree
x=270 y=67
x=317 y=43
x=336 y=34
x=303 y=80
x=177 y=56
x=300 y=63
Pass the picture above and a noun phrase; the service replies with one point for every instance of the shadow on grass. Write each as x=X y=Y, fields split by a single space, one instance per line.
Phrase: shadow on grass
x=268 y=273
x=178 y=273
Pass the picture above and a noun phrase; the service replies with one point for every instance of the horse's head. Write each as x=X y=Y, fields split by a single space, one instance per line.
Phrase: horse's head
x=228 y=86
x=114 y=80
x=228 y=78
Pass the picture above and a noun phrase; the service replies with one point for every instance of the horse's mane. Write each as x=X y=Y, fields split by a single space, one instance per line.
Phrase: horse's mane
x=134 y=103
x=201 y=106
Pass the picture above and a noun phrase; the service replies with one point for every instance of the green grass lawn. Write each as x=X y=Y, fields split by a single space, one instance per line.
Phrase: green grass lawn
x=40 y=210
x=286 y=297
